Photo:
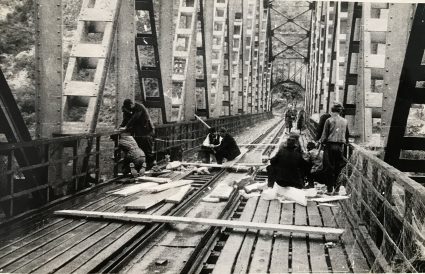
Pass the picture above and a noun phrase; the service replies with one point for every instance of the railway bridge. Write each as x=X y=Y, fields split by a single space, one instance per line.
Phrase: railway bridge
x=231 y=63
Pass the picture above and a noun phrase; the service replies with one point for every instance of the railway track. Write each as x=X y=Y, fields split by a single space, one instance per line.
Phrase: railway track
x=214 y=237
x=231 y=209
x=82 y=246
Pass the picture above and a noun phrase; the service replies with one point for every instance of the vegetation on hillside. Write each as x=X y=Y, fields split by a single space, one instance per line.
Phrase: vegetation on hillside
x=17 y=52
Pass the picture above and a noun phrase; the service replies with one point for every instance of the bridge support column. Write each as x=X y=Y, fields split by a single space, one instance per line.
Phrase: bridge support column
x=49 y=69
x=208 y=31
x=125 y=57
x=166 y=28
x=190 y=90
x=399 y=22
x=49 y=77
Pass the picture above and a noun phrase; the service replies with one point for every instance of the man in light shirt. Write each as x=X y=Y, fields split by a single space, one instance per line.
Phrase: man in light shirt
x=209 y=146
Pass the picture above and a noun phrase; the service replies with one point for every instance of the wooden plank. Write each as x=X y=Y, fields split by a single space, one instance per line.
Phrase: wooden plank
x=299 y=244
x=44 y=231
x=222 y=191
x=149 y=200
x=336 y=253
x=239 y=165
x=169 y=186
x=263 y=248
x=143 y=218
x=96 y=15
x=78 y=261
x=67 y=252
x=254 y=187
x=355 y=255
x=32 y=255
x=129 y=190
x=79 y=88
x=261 y=145
x=81 y=248
x=154 y=179
x=22 y=252
x=316 y=242
x=230 y=250
x=178 y=197
x=243 y=259
x=89 y=260
x=53 y=247
x=52 y=260
x=89 y=50
x=330 y=199
x=280 y=255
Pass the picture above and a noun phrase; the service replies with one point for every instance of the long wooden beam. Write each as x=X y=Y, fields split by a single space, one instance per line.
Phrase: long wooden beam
x=145 y=218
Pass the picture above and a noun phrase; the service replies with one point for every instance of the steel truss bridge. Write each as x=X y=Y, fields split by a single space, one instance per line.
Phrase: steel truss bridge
x=220 y=60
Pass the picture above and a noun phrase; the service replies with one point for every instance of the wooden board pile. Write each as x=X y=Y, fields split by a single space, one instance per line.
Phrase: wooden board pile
x=246 y=185
x=153 y=190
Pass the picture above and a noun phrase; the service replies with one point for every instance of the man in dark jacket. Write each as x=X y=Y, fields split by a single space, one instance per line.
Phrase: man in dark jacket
x=321 y=125
x=289 y=118
x=228 y=148
x=126 y=112
x=286 y=166
x=334 y=137
x=141 y=127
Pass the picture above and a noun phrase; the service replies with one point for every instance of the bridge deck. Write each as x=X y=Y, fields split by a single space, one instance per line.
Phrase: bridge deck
x=76 y=245
x=261 y=252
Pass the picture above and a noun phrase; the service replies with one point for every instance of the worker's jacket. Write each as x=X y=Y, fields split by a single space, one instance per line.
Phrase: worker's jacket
x=228 y=148
x=335 y=130
x=140 y=123
x=287 y=166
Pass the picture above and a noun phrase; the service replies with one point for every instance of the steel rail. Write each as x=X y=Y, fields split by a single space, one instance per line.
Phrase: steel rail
x=122 y=256
x=193 y=264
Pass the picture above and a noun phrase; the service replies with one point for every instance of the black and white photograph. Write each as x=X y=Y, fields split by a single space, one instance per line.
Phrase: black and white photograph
x=212 y=136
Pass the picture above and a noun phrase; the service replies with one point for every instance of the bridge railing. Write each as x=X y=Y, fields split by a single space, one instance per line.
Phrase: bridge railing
x=74 y=164
x=387 y=209
x=61 y=165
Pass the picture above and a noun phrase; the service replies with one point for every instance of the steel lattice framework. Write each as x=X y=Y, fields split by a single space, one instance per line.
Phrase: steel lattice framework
x=291 y=23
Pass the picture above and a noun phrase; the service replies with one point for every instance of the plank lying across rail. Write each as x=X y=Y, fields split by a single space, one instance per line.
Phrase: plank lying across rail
x=143 y=218
x=226 y=165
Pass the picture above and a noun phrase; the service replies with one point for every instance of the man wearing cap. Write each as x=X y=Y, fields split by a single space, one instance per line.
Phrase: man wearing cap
x=335 y=135
x=141 y=127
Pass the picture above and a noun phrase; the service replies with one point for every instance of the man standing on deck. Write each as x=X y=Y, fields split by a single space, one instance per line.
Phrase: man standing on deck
x=289 y=119
x=335 y=135
x=142 y=128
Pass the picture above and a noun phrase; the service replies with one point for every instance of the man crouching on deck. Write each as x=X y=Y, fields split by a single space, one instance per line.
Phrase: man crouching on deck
x=285 y=167
x=221 y=144
x=134 y=157
x=228 y=148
